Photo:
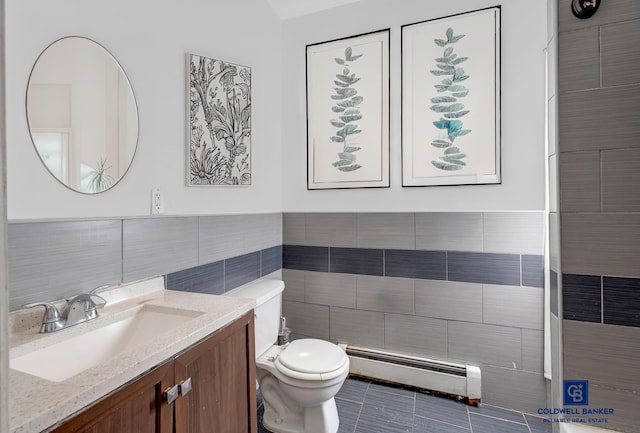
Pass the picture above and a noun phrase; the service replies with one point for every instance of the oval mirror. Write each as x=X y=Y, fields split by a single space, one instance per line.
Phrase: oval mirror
x=82 y=114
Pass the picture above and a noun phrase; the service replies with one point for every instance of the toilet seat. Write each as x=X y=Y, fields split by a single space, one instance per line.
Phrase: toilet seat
x=308 y=360
x=312 y=356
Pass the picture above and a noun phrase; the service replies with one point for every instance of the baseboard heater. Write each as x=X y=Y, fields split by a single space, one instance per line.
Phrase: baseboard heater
x=459 y=380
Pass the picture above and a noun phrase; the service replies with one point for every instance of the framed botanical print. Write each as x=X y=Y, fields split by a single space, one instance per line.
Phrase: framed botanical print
x=451 y=100
x=348 y=112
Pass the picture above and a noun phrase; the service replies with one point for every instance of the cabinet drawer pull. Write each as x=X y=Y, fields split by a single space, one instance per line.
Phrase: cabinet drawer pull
x=185 y=386
x=171 y=394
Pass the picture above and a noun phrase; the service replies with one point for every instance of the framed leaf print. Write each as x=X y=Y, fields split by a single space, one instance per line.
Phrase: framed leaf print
x=219 y=122
x=348 y=112
x=451 y=100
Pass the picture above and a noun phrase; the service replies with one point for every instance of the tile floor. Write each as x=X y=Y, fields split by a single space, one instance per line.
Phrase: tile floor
x=367 y=407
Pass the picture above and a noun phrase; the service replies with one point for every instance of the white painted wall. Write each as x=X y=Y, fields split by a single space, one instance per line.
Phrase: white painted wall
x=150 y=40
x=523 y=98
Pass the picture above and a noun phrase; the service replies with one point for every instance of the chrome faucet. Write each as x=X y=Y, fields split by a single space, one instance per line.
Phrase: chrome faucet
x=78 y=309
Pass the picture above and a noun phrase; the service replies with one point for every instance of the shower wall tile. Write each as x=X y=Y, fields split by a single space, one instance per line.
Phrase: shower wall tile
x=330 y=289
x=386 y=230
x=331 y=229
x=485 y=268
x=580 y=65
x=580 y=181
x=356 y=261
x=158 y=246
x=487 y=344
x=449 y=300
x=513 y=232
x=293 y=285
x=357 y=326
x=621 y=301
x=449 y=231
x=624 y=10
x=241 y=270
x=519 y=307
x=532 y=270
x=271 y=260
x=590 y=346
x=627 y=416
x=415 y=334
x=293 y=229
x=515 y=389
x=620 y=52
x=307 y=319
x=305 y=258
x=54 y=260
x=207 y=278
x=620 y=180
x=533 y=350
x=582 y=127
x=416 y=264
x=582 y=297
x=392 y=295
x=601 y=244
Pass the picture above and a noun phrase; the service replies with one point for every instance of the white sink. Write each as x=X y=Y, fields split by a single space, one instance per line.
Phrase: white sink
x=64 y=359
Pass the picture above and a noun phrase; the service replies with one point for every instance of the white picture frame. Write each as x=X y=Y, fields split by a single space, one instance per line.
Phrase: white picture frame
x=218 y=136
x=348 y=112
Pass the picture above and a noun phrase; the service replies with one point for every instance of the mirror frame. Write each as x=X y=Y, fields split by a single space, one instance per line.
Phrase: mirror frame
x=135 y=106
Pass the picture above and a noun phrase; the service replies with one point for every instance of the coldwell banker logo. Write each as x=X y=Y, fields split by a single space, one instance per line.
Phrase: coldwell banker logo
x=576 y=392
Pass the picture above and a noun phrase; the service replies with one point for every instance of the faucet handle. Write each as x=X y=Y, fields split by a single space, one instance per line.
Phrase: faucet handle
x=99 y=288
x=90 y=300
x=82 y=307
x=51 y=321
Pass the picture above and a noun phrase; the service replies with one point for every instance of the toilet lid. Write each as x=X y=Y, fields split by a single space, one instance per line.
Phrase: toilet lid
x=310 y=355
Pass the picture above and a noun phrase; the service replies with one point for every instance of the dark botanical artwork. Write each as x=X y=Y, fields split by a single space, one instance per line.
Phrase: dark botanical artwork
x=219 y=129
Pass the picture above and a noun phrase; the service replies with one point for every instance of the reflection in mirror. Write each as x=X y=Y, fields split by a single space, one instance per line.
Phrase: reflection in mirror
x=82 y=114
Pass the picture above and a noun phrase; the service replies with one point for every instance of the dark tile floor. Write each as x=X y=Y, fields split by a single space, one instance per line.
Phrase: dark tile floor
x=367 y=407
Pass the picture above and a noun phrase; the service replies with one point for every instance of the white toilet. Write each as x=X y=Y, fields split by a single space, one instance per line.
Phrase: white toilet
x=299 y=380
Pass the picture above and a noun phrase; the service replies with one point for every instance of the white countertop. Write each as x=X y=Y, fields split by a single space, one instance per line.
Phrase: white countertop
x=37 y=404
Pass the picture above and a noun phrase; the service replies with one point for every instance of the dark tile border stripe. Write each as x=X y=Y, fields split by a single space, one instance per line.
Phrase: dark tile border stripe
x=361 y=261
x=581 y=298
x=621 y=301
x=425 y=265
x=601 y=299
x=219 y=277
x=470 y=267
x=305 y=258
x=485 y=268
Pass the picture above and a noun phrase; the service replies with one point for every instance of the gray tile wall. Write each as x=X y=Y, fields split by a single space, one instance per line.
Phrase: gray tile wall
x=51 y=260
x=494 y=323
x=599 y=154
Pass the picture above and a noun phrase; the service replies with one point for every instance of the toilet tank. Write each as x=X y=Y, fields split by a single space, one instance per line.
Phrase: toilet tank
x=268 y=297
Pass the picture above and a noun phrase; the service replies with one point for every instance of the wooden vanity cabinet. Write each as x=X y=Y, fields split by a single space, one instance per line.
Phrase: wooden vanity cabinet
x=222 y=398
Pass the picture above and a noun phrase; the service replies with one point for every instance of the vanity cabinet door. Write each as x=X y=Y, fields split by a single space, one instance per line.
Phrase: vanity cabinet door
x=139 y=407
x=222 y=398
